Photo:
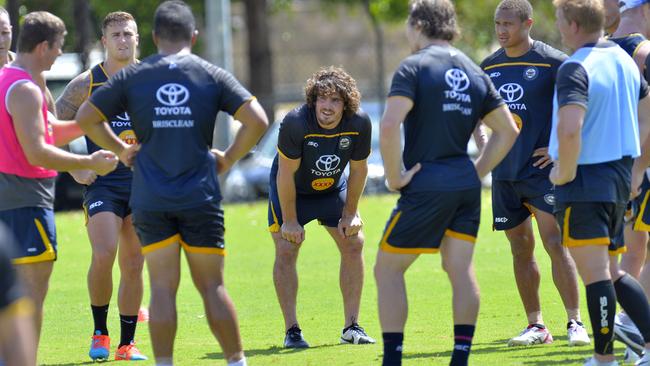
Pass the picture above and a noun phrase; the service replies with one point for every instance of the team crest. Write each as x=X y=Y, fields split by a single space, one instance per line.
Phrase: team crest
x=531 y=73
x=344 y=143
x=549 y=199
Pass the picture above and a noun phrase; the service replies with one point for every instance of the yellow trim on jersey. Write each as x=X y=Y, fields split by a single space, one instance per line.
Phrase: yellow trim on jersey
x=515 y=64
x=243 y=104
x=275 y=228
x=283 y=155
x=638 y=47
x=161 y=244
x=21 y=307
x=460 y=236
x=202 y=250
x=568 y=241
x=48 y=255
x=386 y=247
x=97 y=109
x=101 y=66
x=617 y=251
x=334 y=135
x=639 y=225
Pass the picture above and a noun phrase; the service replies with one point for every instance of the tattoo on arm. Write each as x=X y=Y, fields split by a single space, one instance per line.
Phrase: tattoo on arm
x=73 y=96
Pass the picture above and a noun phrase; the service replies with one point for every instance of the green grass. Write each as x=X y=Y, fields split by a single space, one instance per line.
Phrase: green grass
x=428 y=335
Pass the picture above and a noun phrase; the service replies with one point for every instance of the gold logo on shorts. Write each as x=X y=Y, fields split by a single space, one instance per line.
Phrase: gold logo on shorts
x=128 y=136
x=322 y=183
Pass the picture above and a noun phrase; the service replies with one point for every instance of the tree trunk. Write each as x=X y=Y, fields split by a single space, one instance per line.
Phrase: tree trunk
x=379 y=56
x=260 y=61
x=14 y=17
x=82 y=25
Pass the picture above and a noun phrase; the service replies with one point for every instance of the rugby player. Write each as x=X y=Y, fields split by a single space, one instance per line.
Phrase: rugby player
x=106 y=200
x=317 y=141
x=173 y=99
x=523 y=71
x=595 y=136
x=440 y=95
x=29 y=157
x=17 y=333
x=630 y=35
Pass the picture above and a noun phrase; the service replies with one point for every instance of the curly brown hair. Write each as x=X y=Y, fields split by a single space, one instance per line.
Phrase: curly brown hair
x=333 y=80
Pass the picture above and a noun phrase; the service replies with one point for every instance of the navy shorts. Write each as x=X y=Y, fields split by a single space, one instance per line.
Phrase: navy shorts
x=592 y=223
x=511 y=200
x=199 y=230
x=35 y=234
x=420 y=221
x=102 y=198
x=638 y=209
x=327 y=208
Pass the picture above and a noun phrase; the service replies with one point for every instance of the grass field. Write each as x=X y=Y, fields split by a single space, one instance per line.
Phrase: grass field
x=428 y=335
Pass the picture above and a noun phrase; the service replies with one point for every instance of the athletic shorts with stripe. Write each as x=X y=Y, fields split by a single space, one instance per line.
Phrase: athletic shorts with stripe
x=638 y=209
x=199 y=229
x=592 y=223
x=420 y=220
x=326 y=208
x=511 y=200
x=34 y=231
x=13 y=299
x=102 y=198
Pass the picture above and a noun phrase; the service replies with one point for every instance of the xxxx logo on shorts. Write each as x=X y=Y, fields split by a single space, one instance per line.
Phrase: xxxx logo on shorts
x=322 y=184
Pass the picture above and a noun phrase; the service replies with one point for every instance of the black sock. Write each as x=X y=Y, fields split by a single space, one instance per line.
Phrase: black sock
x=100 y=313
x=601 y=303
x=633 y=300
x=127 y=327
x=463 y=335
x=392 y=349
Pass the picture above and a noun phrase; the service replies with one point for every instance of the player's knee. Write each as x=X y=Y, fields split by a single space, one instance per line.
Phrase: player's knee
x=103 y=257
x=522 y=247
x=287 y=252
x=352 y=247
x=132 y=267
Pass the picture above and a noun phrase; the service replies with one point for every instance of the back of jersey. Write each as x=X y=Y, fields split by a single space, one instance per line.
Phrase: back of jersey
x=450 y=94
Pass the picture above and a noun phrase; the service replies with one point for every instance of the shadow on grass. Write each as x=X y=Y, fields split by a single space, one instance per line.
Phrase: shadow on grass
x=273 y=350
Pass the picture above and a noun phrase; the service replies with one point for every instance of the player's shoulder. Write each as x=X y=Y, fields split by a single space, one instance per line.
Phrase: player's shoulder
x=547 y=53
x=297 y=117
x=360 y=120
x=495 y=58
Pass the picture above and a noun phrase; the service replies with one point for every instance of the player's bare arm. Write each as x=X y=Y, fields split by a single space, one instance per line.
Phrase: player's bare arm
x=351 y=223
x=569 y=127
x=24 y=104
x=254 y=122
x=643 y=161
x=291 y=230
x=74 y=94
x=480 y=136
x=391 y=142
x=504 y=134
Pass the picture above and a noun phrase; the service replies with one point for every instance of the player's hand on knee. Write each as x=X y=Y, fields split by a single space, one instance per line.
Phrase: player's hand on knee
x=545 y=159
x=349 y=225
x=293 y=232
x=86 y=177
x=103 y=162
x=404 y=179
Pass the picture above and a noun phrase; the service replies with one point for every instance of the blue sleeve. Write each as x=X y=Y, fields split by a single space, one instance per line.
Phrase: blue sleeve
x=404 y=80
x=492 y=100
x=291 y=136
x=362 y=148
x=572 y=85
x=233 y=95
x=110 y=98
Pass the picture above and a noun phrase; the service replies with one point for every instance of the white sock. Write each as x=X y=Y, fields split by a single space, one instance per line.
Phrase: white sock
x=241 y=362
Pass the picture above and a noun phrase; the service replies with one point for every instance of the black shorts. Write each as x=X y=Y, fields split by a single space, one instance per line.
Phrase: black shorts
x=592 y=223
x=102 y=198
x=35 y=234
x=326 y=208
x=511 y=200
x=420 y=221
x=199 y=230
x=10 y=290
x=638 y=209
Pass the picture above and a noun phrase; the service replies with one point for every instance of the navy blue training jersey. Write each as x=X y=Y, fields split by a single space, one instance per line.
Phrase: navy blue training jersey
x=526 y=84
x=173 y=102
x=629 y=43
x=121 y=126
x=324 y=153
x=450 y=94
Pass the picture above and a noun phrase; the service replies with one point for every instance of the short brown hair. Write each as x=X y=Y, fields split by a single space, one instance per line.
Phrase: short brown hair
x=521 y=8
x=40 y=26
x=588 y=14
x=116 y=17
x=435 y=18
x=334 y=80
